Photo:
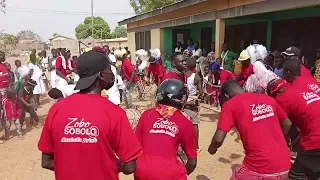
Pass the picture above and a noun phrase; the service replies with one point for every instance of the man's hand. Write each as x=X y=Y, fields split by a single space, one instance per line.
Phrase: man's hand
x=212 y=150
x=69 y=72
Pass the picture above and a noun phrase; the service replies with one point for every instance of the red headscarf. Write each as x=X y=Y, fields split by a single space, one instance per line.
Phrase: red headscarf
x=275 y=86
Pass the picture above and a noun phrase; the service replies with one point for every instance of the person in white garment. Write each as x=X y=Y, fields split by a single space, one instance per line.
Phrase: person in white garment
x=45 y=64
x=36 y=75
x=52 y=68
x=257 y=51
x=113 y=92
x=194 y=85
x=64 y=68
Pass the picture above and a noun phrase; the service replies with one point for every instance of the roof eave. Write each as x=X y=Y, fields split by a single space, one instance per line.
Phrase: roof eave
x=165 y=9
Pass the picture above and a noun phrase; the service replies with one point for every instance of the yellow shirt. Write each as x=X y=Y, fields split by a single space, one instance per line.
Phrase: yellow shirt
x=237 y=66
x=38 y=59
x=104 y=93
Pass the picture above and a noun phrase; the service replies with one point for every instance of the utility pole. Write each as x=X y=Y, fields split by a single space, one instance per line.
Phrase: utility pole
x=92 y=24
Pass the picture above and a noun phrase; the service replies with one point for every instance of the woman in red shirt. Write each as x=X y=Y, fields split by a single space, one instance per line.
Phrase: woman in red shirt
x=221 y=75
x=161 y=130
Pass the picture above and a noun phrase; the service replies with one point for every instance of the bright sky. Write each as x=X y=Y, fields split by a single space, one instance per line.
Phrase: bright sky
x=46 y=17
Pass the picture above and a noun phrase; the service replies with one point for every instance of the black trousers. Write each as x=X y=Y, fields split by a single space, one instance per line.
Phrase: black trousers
x=306 y=166
x=33 y=115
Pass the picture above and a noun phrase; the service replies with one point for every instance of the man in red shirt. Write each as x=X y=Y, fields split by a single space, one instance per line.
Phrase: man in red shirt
x=95 y=141
x=64 y=67
x=179 y=65
x=294 y=53
x=301 y=101
x=157 y=71
x=130 y=78
x=259 y=120
x=246 y=67
x=160 y=130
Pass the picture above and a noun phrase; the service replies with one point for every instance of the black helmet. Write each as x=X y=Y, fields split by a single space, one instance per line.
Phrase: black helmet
x=172 y=92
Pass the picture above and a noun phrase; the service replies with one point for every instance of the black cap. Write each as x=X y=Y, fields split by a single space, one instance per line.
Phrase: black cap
x=292 y=51
x=89 y=65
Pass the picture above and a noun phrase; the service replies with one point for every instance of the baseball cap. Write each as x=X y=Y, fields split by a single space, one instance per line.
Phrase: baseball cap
x=89 y=65
x=292 y=51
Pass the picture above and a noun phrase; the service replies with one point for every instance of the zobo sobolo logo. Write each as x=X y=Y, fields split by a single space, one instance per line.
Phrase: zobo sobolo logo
x=260 y=109
x=76 y=127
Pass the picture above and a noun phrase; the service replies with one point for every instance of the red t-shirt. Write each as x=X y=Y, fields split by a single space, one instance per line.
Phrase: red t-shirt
x=160 y=139
x=128 y=69
x=305 y=71
x=246 y=72
x=258 y=122
x=60 y=67
x=301 y=101
x=157 y=71
x=171 y=75
x=85 y=139
x=225 y=75
x=4 y=77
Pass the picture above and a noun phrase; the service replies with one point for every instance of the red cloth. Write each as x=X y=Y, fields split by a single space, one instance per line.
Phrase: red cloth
x=258 y=122
x=301 y=101
x=157 y=71
x=305 y=71
x=4 y=76
x=246 y=71
x=243 y=173
x=128 y=69
x=60 y=67
x=225 y=75
x=160 y=140
x=88 y=138
x=171 y=75
x=194 y=70
x=12 y=108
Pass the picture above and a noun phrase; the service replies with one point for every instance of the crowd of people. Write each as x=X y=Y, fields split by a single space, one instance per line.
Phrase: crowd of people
x=271 y=98
x=272 y=101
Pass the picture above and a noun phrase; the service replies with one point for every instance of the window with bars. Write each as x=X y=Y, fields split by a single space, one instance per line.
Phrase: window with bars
x=143 y=40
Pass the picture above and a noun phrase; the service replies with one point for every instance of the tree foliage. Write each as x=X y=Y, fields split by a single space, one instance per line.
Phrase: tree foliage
x=143 y=6
x=119 y=32
x=28 y=35
x=55 y=34
x=2 y=5
x=9 y=39
x=101 y=29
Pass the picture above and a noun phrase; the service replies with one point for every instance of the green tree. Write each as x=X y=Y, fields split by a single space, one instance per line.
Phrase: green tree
x=2 y=5
x=55 y=34
x=9 y=39
x=119 y=32
x=143 y=6
x=28 y=35
x=101 y=28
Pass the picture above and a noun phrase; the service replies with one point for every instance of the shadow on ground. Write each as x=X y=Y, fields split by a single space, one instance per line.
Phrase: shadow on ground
x=209 y=117
x=202 y=177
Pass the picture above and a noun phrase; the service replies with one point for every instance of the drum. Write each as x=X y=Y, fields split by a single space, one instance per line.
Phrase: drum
x=133 y=116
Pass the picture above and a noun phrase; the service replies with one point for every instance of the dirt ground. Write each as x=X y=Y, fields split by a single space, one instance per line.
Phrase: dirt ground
x=20 y=158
